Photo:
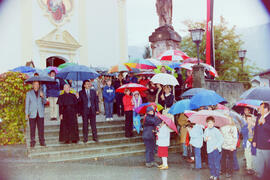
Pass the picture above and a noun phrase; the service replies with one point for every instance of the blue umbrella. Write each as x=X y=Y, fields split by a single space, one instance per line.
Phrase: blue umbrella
x=205 y=98
x=174 y=65
x=180 y=107
x=258 y=93
x=191 y=92
x=23 y=69
x=42 y=79
x=77 y=73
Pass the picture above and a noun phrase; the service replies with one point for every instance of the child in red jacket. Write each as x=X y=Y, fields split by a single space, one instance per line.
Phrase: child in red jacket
x=128 y=108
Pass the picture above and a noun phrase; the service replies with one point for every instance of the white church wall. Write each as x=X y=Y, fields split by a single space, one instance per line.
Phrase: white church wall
x=10 y=38
x=102 y=25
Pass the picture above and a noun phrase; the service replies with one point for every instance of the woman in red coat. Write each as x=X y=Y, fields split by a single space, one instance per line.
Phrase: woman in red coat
x=128 y=108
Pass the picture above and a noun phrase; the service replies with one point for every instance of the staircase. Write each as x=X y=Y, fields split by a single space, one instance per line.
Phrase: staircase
x=112 y=143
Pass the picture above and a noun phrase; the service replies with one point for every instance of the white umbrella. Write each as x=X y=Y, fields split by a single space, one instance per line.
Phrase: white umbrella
x=155 y=62
x=164 y=79
x=210 y=68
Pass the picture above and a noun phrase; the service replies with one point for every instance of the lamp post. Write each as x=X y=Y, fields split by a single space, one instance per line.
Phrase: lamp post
x=241 y=55
x=197 y=35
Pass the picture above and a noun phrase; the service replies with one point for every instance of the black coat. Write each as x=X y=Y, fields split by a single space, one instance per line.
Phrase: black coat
x=150 y=124
x=83 y=101
x=167 y=102
x=262 y=133
x=69 y=130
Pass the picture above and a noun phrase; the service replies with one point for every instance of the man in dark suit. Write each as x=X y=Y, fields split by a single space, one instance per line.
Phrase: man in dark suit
x=261 y=141
x=88 y=107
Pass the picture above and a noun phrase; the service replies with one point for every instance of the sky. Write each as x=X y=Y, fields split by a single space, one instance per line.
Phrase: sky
x=142 y=18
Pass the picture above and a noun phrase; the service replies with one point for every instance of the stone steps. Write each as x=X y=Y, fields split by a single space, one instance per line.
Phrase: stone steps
x=103 y=128
x=103 y=142
x=112 y=143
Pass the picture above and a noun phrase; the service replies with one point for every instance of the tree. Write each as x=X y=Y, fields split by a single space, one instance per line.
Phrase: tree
x=147 y=52
x=227 y=43
x=12 y=98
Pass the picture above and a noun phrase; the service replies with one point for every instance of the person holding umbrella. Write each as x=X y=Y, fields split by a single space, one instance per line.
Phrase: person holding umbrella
x=52 y=92
x=128 y=108
x=34 y=112
x=150 y=124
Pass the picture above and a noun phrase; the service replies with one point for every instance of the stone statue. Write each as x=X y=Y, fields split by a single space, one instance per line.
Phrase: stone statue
x=164 y=11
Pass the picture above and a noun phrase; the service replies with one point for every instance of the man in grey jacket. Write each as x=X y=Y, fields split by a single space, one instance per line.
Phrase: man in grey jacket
x=34 y=112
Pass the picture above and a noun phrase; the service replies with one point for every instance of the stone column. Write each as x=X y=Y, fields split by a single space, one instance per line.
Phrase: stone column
x=122 y=27
x=198 y=76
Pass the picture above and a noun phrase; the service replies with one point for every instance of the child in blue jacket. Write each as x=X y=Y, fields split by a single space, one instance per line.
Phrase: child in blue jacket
x=108 y=97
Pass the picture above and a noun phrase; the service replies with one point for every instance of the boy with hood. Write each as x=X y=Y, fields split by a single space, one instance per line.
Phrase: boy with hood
x=150 y=124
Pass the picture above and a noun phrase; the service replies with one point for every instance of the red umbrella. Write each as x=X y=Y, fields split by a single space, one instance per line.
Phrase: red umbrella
x=173 y=55
x=192 y=60
x=168 y=121
x=132 y=87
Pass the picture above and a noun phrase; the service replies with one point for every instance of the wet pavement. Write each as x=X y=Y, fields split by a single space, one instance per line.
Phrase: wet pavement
x=21 y=168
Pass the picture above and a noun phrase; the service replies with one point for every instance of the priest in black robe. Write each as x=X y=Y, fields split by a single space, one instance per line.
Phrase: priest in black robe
x=68 y=109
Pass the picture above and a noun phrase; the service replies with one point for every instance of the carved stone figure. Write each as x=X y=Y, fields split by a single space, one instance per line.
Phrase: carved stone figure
x=164 y=11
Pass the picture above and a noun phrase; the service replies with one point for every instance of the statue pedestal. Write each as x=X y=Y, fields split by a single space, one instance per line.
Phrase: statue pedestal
x=198 y=76
x=164 y=38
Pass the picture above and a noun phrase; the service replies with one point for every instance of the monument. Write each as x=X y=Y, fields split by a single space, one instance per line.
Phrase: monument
x=164 y=38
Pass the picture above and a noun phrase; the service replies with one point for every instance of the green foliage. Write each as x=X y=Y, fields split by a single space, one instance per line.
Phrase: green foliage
x=227 y=43
x=12 y=98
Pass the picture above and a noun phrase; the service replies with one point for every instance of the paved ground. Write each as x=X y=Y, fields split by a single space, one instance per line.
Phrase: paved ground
x=15 y=166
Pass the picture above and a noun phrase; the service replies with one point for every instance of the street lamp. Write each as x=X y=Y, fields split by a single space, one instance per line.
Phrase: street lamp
x=241 y=55
x=197 y=35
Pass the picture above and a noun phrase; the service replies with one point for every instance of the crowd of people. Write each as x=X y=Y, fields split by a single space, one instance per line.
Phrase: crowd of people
x=208 y=146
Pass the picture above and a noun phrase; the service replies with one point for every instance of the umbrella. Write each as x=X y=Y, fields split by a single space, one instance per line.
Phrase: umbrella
x=23 y=69
x=168 y=121
x=249 y=103
x=258 y=93
x=132 y=87
x=200 y=118
x=52 y=68
x=180 y=107
x=205 y=98
x=77 y=73
x=41 y=72
x=61 y=66
x=173 y=55
x=142 y=108
x=192 y=60
x=155 y=62
x=164 y=79
x=238 y=119
x=191 y=92
x=147 y=73
x=43 y=79
x=119 y=68
x=188 y=113
x=168 y=68
x=141 y=64
x=174 y=65
x=210 y=68
x=222 y=107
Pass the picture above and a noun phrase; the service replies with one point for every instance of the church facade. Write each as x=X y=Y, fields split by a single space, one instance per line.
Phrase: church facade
x=51 y=32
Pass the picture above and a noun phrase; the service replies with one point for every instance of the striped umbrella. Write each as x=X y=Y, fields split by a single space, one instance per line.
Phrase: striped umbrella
x=141 y=64
x=173 y=55
x=65 y=65
x=119 y=68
